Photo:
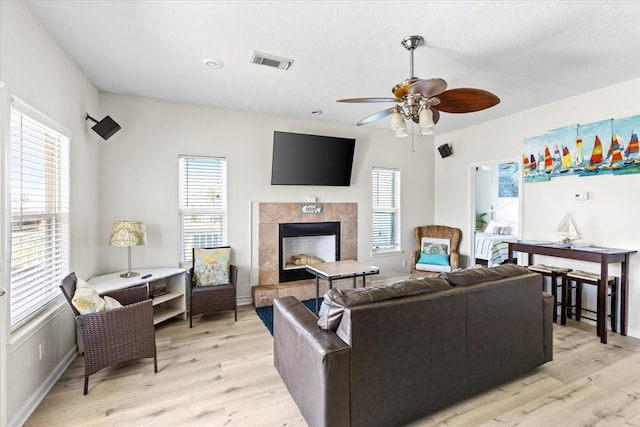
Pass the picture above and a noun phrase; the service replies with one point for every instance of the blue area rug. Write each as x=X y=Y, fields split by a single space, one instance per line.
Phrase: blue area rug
x=266 y=313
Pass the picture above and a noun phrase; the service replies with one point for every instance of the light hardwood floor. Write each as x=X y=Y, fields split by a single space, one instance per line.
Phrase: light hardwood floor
x=221 y=373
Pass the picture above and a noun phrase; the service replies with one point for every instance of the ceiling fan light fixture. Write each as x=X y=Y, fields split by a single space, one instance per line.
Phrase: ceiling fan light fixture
x=425 y=121
x=402 y=132
x=397 y=121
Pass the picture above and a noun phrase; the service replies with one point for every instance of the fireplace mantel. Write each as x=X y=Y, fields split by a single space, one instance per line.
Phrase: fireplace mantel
x=271 y=215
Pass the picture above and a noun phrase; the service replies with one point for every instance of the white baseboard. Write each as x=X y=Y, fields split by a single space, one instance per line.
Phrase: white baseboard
x=32 y=403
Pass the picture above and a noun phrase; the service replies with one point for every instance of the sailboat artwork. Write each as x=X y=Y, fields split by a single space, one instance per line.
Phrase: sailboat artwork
x=535 y=169
x=606 y=147
x=567 y=230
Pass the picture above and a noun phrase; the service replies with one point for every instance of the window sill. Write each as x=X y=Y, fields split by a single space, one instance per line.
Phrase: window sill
x=386 y=252
x=29 y=329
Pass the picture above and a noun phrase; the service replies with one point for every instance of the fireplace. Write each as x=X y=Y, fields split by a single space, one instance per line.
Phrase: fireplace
x=306 y=243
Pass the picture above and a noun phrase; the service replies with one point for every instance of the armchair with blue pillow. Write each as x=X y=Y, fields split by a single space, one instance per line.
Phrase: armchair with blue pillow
x=437 y=250
x=213 y=282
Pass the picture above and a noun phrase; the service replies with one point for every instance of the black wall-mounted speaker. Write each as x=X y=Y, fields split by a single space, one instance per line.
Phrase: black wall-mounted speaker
x=445 y=150
x=105 y=127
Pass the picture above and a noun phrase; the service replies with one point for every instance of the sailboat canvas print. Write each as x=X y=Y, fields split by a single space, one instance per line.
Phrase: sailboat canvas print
x=624 y=152
x=533 y=159
x=605 y=147
x=564 y=142
x=594 y=136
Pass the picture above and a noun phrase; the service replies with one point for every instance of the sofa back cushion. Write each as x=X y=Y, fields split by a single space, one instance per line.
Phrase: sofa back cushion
x=337 y=299
x=474 y=276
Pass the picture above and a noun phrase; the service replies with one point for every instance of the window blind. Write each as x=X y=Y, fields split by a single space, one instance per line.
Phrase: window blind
x=202 y=204
x=386 y=209
x=38 y=160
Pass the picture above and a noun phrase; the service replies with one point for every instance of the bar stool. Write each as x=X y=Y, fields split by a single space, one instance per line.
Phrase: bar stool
x=578 y=278
x=554 y=273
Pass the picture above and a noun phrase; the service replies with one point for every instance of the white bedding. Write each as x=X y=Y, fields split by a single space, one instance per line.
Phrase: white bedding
x=493 y=248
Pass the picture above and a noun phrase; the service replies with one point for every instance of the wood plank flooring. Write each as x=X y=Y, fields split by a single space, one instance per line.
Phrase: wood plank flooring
x=221 y=373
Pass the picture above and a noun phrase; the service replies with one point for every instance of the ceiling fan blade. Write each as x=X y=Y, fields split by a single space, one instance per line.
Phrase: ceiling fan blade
x=466 y=100
x=436 y=115
x=369 y=100
x=428 y=87
x=376 y=116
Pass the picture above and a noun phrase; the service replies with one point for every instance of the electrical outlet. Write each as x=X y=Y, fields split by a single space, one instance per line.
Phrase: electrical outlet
x=404 y=263
x=581 y=196
x=41 y=350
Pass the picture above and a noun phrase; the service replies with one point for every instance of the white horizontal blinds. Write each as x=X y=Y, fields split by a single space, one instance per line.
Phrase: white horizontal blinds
x=203 y=192
x=39 y=188
x=385 y=185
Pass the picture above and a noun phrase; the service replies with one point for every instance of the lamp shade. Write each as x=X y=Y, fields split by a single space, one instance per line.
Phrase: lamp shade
x=128 y=233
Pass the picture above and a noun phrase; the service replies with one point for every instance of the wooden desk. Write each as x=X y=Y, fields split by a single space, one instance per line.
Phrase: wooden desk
x=340 y=270
x=603 y=256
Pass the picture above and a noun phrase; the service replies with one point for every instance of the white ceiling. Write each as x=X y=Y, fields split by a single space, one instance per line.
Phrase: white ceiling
x=529 y=53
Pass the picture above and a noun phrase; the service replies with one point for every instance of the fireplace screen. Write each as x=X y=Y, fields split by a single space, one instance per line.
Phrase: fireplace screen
x=306 y=243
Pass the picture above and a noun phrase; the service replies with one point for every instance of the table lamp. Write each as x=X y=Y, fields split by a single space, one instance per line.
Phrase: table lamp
x=128 y=233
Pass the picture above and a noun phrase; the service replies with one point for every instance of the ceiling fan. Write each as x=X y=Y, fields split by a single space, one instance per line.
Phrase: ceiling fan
x=421 y=100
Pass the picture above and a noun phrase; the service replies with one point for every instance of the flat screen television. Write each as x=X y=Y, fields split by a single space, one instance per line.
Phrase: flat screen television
x=300 y=159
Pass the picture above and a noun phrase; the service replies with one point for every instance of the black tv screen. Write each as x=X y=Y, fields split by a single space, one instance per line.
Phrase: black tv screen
x=300 y=159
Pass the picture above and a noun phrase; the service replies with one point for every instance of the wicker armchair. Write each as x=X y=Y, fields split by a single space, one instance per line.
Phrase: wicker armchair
x=118 y=335
x=205 y=299
x=439 y=232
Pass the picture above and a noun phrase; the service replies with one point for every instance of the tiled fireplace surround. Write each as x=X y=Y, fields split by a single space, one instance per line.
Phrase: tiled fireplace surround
x=270 y=216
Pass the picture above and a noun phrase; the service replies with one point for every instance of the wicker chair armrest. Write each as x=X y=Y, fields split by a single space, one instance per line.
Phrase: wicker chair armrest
x=453 y=260
x=130 y=295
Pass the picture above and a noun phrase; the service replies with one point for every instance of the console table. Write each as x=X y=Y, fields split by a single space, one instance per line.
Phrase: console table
x=603 y=256
x=165 y=285
x=340 y=270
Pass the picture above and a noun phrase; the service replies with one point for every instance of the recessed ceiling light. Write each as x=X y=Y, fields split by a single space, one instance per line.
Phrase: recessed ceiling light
x=316 y=112
x=213 y=62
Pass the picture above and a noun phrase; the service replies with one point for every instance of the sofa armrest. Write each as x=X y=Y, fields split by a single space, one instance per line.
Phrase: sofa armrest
x=548 y=306
x=313 y=363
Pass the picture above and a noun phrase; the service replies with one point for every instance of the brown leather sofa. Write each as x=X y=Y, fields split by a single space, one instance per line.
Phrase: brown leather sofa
x=402 y=351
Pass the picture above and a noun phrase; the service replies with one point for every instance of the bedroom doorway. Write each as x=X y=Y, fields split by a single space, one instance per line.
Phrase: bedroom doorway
x=496 y=209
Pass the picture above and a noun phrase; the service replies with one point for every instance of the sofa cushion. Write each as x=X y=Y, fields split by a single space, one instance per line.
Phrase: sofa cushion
x=474 y=276
x=337 y=299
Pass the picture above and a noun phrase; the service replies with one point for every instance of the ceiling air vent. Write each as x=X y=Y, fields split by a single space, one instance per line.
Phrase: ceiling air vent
x=271 y=60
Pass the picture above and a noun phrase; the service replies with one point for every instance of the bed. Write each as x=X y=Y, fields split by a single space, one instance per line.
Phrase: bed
x=492 y=244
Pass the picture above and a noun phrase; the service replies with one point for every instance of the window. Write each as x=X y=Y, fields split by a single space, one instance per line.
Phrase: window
x=38 y=158
x=385 y=185
x=203 y=204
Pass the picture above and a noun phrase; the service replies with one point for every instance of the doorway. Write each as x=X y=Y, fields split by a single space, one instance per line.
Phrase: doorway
x=495 y=209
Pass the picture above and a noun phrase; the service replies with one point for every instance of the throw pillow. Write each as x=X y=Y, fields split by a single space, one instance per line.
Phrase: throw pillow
x=433 y=246
x=111 y=303
x=211 y=266
x=86 y=299
x=433 y=259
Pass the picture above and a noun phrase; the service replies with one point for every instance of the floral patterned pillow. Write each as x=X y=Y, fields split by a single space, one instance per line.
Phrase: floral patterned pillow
x=86 y=299
x=211 y=266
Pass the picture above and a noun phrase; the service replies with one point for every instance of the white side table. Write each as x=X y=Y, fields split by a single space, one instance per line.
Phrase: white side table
x=171 y=304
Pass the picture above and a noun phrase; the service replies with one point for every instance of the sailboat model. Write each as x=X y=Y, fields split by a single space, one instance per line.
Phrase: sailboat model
x=567 y=230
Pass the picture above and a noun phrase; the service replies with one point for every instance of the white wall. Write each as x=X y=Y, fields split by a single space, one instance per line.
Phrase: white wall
x=139 y=177
x=37 y=71
x=608 y=218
